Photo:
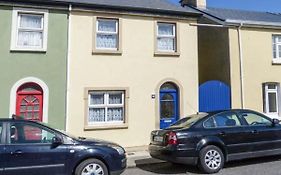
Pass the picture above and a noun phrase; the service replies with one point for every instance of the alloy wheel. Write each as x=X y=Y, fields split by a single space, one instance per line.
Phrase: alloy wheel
x=213 y=159
x=93 y=169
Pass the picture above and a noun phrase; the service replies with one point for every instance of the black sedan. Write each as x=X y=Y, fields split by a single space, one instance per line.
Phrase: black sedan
x=211 y=139
x=32 y=148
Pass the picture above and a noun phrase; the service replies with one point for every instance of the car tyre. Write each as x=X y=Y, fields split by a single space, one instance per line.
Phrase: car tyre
x=211 y=159
x=91 y=166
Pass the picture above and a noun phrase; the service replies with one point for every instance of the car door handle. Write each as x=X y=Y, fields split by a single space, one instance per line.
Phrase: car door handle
x=222 y=133
x=17 y=152
x=255 y=132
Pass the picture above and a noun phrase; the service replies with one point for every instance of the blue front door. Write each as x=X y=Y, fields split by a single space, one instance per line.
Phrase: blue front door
x=168 y=107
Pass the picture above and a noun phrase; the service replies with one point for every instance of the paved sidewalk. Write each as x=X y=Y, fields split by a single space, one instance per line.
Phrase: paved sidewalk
x=139 y=156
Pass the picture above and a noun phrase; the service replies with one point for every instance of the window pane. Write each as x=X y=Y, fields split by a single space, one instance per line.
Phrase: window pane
x=227 y=120
x=272 y=102
x=31 y=21
x=30 y=39
x=271 y=86
x=279 y=51
x=107 y=25
x=106 y=41
x=168 y=86
x=1 y=128
x=278 y=39
x=115 y=114
x=209 y=123
x=27 y=133
x=167 y=109
x=96 y=115
x=166 y=44
x=274 y=51
x=97 y=99
x=112 y=109
x=166 y=29
x=254 y=119
x=115 y=98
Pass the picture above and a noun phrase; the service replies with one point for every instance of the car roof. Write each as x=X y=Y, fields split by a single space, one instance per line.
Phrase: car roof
x=230 y=110
x=16 y=118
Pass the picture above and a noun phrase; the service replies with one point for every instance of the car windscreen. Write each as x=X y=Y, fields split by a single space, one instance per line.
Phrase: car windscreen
x=188 y=121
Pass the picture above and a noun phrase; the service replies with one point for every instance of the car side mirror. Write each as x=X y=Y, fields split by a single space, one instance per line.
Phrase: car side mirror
x=56 y=141
x=275 y=121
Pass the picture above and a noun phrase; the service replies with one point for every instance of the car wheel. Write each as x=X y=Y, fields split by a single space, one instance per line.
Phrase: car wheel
x=211 y=159
x=91 y=166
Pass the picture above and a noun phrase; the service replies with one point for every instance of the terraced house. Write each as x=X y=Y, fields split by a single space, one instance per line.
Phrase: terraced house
x=33 y=60
x=241 y=50
x=133 y=68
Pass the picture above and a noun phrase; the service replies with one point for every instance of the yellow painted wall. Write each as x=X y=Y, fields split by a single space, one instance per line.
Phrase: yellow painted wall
x=234 y=69
x=137 y=68
x=257 y=63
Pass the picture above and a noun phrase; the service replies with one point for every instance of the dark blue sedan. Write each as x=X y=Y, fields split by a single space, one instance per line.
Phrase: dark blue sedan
x=29 y=148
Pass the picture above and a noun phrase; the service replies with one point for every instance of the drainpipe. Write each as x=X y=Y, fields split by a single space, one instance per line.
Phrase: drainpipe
x=241 y=64
x=68 y=66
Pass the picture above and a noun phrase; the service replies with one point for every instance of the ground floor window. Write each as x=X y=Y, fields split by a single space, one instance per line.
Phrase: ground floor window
x=271 y=98
x=106 y=107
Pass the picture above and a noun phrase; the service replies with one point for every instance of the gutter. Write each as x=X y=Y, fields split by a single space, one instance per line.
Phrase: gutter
x=241 y=64
x=207 y=25
x=248 y=23
x=68 y=66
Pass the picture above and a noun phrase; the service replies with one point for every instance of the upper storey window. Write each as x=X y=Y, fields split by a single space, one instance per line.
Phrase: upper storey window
x=29 y=30
x=107 y=34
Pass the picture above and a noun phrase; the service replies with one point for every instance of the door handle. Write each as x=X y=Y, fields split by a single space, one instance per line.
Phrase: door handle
x=254 y=132
x=17 y=152
x=222 y=133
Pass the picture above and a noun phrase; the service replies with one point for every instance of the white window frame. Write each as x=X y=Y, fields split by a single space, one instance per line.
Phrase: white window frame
x=267 y=91
x=107 y=33
x=106 y=106
x=15 y=29
x=275 y=42
x=174 y=36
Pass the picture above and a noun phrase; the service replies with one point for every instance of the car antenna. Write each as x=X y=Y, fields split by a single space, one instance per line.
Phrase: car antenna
x=14 y=117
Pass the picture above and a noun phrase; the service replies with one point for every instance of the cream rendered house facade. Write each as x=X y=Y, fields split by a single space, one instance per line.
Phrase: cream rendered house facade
x=242 y=49
x=128 y=63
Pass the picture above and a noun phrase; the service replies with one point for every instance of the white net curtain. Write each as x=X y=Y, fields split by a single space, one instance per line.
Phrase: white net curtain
x=166 y=37
x=30 y=30
x=107 y=34
x=106 y=107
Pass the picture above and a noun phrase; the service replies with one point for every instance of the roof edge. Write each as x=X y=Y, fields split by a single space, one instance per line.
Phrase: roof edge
x=136 y=9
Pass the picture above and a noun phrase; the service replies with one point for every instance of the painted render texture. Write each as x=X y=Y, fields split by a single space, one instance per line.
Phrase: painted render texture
x=49 y=66
x=257 y=63
x=136 y=69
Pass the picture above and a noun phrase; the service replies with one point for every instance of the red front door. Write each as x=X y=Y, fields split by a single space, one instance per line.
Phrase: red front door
x=30 y=102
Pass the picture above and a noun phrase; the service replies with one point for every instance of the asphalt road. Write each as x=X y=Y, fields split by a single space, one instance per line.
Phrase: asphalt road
x=257 y=166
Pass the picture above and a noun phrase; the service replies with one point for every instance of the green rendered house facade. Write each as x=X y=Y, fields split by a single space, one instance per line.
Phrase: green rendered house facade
x=33 y=62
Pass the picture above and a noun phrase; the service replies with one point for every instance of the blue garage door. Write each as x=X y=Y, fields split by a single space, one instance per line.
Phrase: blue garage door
x=214 y=95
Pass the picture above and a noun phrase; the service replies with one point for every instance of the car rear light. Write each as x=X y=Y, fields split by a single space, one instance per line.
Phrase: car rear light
x=172 y=138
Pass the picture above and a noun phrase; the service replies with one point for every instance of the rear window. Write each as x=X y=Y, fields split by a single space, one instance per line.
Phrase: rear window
x=188 y=121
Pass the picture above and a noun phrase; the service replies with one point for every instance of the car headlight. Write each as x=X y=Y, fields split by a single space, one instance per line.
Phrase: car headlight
x=119 y=149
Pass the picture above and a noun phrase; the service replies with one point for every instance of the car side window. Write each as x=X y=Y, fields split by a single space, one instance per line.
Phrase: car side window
x=209 y=123
x=1 y=129
x=253 y=119
x=228 y=119
x=22 y=133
